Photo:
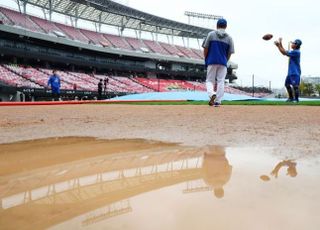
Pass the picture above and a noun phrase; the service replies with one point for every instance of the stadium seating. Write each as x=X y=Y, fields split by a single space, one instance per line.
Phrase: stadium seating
x=118 y=42
x=198 y=86
x=73 y=33
x=4 y=19
x=12 y=79
x=30 y=77
x=133 y=86
x=46 y=25
x=173 y=50
x=36 y=24
x=199 y=53
x=30 y=73
x=113 y=85
x=20 y=20
x=155 y=47
x=164 y=85
x=137 y=44
x=36 y=78
x=67 y=81
x=187 y=52
x=96 y=38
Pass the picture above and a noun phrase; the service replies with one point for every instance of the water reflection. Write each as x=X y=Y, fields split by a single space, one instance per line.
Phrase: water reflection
x=289 y=164
x=187 y=188
x=291 y=168
x=217 y=170
x=101 y=187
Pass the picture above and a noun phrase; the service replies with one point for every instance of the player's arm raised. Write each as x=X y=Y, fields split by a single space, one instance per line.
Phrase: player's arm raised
x=280 y=47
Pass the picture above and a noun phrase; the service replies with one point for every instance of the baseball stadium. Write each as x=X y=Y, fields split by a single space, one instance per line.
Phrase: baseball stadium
x=130 y=142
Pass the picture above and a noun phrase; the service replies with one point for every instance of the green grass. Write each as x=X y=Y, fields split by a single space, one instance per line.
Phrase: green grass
x=277 y=103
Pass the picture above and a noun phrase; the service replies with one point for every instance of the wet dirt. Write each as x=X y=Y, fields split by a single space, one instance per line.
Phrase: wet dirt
x=289 y=128
x=93 y=183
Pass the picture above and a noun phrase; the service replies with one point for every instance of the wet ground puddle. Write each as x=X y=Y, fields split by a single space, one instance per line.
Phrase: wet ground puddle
x=88 y=183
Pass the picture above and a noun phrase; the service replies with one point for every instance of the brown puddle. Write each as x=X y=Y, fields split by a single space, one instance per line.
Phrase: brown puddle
x=88 y=183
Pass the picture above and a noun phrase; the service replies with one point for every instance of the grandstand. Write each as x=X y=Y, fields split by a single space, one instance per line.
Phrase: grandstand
x=31 y=47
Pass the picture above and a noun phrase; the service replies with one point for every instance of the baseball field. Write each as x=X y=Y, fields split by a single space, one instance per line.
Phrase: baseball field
x=188 y=166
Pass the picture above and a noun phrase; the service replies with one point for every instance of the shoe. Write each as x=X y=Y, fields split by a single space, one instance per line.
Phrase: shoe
x=211 y=102
x=295 y=101
x=217 y=104
x=289 y=100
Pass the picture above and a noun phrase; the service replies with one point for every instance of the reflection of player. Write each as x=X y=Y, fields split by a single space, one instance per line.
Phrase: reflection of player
x=291 y=170
x=217 y=170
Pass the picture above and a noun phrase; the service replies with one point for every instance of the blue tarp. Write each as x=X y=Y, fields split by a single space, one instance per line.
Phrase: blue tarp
x=193 y=96
x=185 y=95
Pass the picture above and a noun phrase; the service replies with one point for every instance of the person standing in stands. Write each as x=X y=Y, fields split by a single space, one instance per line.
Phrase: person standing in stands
x=100 y=84
x=54 y=84
x=106 y=81
x=218 y=47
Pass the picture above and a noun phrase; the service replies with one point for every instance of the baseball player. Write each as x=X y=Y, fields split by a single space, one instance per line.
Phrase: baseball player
x=218 y=47
x=294 y=71
x=54 y=83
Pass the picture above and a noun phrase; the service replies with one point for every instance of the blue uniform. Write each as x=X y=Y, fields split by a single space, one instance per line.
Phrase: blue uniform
x=219 y=45
x=294 y=70
x=54 y=81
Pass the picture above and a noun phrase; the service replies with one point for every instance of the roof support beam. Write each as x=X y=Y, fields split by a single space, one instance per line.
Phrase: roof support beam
x=57 y=4
x=25 y=6
x=19 y=7
x=50 y=9
x=117 y=15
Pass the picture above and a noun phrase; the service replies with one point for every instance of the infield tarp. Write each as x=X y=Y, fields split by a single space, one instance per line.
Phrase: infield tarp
x=185 y=95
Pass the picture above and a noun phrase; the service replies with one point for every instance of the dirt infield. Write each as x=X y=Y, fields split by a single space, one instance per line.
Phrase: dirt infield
x=257 y=166
x=290 y=128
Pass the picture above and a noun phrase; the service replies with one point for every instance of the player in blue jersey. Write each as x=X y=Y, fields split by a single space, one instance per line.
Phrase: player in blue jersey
x=218 y=47
x=54 y=83
x=294 y=71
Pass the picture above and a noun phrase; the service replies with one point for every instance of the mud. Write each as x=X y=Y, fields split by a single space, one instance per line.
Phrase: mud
x=159 y=167
x=88 y=183
x=291 y=128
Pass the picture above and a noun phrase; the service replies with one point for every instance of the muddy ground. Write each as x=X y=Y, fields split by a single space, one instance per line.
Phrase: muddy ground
x=290 y=128
x=257 y=166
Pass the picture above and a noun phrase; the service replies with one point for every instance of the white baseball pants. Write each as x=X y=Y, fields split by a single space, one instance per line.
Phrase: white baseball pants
x=216 y=73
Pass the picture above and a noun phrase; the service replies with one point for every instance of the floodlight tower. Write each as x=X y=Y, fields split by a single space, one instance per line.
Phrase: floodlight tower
x=200 y=16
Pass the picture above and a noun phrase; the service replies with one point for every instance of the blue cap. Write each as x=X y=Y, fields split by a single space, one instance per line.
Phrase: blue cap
x=298 y=42
x=222 y=22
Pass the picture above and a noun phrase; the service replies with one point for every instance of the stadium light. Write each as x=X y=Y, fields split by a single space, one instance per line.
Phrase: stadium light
x=201 y=15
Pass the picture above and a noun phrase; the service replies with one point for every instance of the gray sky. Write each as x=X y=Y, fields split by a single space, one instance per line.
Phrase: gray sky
x=248 y=21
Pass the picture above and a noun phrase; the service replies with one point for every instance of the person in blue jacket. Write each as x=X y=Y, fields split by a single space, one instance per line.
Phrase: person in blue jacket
x=54 y=84
x=294 y=71
x=217 y=48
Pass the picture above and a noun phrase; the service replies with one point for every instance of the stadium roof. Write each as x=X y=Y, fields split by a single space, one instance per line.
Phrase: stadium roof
x=115 y=14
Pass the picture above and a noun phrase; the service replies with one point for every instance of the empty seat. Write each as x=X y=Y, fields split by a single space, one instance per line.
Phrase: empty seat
x=188 y=52
x=10 y=78
x=137 y=44
x=20 y=20
x=155 y=47
x=118 y=41
x=172 y=49
x=96 y=38
x=73 y=33
x=47 y=26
